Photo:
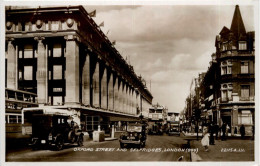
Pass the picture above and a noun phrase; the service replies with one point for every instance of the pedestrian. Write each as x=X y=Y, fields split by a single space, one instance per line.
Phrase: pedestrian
x=227 y=130
x=223 y=128
x=212 y=131
x=216 y=130
x=242 y=131
x=205 y=139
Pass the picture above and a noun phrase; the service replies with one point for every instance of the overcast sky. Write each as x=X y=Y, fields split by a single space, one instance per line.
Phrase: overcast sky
x=168 y=45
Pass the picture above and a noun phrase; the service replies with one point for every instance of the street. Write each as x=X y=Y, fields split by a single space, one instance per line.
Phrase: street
x=158 y=148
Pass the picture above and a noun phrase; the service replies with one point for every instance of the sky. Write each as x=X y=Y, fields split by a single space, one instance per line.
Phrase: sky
x=168 y=45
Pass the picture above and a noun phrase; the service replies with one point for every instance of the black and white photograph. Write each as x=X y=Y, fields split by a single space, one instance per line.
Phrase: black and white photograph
x=131 y=82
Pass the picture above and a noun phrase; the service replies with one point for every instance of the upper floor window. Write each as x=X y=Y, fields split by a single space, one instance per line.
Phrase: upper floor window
x=244 y=67
x=224 y=46
x=242 y=45
x=57 y=72
x=245 y=91
x=226 y=67
x=226 y=92
x=28 y=51
x=57 y=50
x=28 y=73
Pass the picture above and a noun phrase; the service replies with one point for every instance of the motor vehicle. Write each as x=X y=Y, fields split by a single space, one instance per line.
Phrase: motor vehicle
x=54 y=131
x=155 y=129
x=134 y=135
x=174 y=129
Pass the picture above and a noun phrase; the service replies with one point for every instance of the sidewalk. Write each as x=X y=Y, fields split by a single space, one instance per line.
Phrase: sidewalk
x=229 y=150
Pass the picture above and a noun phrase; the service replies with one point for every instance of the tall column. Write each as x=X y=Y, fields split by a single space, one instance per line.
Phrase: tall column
x=86 y=82
x=96 y=87
x=11 y=65
x=120 y=96
x=72 y=70
x=131 y=101
x=110 y=92
x=123 y=98
x=116 y=101
x=126 y=98
x=137 y=103
x=41 y=72
x=104 y=89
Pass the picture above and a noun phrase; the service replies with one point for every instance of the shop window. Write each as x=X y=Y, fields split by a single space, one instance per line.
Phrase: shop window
x=245 y=117
x=28 y=73
x=244 y=67
x=242 y=45
x=13 y=119
x=57 y=72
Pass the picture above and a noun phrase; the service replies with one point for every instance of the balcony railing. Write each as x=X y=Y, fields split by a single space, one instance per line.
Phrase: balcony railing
x=235 y=53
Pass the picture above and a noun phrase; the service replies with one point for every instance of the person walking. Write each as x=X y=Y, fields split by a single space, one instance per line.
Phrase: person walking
x=212 y=131
x=205 y=139
x=216 y=130
x=227 y=130
x=223 y=128
x=242 y=131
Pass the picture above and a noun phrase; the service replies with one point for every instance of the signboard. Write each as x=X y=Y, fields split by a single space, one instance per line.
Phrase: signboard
x=57 y=89
x=155 y=117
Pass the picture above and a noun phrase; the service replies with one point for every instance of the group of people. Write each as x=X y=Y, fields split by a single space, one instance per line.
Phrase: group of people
x=211 y=129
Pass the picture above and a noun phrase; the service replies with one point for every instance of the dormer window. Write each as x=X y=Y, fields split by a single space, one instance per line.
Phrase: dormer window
x=242 y=45
x=224 y=46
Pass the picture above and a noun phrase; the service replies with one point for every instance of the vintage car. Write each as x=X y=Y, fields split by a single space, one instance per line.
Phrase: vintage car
x=155 y=129
x=135 y=135
x=54 y=131
x=174 y=129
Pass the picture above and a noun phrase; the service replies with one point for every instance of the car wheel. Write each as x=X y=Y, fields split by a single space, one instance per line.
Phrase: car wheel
x=80 y=140
x=59 y=143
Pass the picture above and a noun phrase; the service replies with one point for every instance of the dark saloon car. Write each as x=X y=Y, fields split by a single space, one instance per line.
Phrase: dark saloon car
x=135 y=135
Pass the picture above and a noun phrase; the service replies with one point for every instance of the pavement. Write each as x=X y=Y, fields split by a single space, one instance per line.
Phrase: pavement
x=233 y=149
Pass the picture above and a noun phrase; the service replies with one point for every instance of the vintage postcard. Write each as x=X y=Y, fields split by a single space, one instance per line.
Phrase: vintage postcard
x=131 y=82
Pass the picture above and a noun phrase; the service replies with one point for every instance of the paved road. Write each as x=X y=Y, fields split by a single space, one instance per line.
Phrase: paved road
x=158 y=148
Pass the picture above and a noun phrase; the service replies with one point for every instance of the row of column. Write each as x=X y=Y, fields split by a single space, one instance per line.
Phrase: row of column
x=109 y=91
x=103 y=88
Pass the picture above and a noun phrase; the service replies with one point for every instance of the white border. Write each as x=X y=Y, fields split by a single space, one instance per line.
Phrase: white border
x=255 y=3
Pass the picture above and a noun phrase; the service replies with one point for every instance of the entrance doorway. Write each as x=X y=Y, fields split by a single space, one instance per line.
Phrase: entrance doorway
x=227 y=120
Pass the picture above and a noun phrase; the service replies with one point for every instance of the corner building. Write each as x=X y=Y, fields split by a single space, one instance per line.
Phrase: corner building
x=235 y=53
x=60 y=54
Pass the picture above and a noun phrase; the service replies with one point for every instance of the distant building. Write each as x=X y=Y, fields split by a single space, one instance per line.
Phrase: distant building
x=226 y=92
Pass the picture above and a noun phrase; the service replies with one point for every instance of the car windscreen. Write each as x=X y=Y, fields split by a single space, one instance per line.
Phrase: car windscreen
x=134 y=128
